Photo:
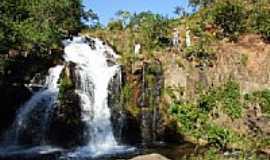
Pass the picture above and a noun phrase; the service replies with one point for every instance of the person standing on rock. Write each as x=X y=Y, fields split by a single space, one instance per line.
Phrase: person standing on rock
x=188 y=40
x=175 y=38
x=137 y=49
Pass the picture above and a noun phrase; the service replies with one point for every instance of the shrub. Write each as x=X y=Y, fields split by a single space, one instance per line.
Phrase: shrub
x=195 y=122
x=201 y=53
x=115 y=25
x=190 y=117
x=230 y=17
x=261 y=97
x=152 y=29
x=231 y=99
x=260 y=19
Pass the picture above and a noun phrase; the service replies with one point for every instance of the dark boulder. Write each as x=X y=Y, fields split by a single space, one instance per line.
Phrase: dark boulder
x=11 y=98
x=67 y=128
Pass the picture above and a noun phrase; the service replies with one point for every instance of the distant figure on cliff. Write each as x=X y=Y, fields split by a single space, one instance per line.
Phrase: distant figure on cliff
x=137 y=48
x=175 y=38
x=188 y=40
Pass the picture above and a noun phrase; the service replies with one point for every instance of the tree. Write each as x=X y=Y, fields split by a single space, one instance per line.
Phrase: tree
x=230 y=17
x=260 y=18
x=25 y=24
x=180 y=11
x=124 y=17
x=152 y=29
x=200 y=3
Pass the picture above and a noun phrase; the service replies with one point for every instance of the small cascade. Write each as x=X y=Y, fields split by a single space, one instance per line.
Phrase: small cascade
x=32 y=118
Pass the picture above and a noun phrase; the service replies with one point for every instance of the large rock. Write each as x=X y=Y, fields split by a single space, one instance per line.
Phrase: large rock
x=150 y=157
x=67 y=128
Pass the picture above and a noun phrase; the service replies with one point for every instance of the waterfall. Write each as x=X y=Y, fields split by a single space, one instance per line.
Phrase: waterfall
x=94 y=73
x=95 y=67
x=37 y=109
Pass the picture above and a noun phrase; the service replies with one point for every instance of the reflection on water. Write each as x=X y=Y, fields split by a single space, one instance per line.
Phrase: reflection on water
x=174 y=152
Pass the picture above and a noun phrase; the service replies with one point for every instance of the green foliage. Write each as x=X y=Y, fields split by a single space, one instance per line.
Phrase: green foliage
x=261 y=97
x=28 y=24
x=200 y=3
x=124 y=17
x=65 y=85
x=201 y=53
x=215 y=154
x=260 y=18
x=151 y=29
x=180 y=11
x=244 y=59
x=190 y=117
x=230 y=17
x=227 y=96
x=231 y=97
x=220 y=137
x=195 y=122
x=127 y=101
x=115 y=25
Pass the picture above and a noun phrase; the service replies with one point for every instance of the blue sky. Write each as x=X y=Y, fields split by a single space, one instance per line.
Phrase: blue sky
x=106 y=9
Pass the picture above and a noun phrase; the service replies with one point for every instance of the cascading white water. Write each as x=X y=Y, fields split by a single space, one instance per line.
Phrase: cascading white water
x=94 y=69
x=94 y=75
x=43 y=100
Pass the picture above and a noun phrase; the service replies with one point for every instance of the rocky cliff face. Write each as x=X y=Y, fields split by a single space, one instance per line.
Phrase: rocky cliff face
x=19 y=78
x=246 y=62
x=136 y=103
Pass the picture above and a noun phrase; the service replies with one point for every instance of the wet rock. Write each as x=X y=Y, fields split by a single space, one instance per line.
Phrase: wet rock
x=151 y=89
x=67 y=128
x=91 y=42
x=11 y=98
x=150 y=157
x=138 y=109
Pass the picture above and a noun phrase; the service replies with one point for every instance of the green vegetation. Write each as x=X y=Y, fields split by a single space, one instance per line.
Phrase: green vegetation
x=39 y=24
x=196 y=118
x=199 y=121
x=230 y=16
x=152 y=31
x=66 y=84
x=260 y=18
x=201 y=3
x=214 y=154
x=227 y=96
x=200 y=53
x=262 y=98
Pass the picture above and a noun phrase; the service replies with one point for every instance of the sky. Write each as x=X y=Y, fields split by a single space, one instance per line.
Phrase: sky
x=106 y=9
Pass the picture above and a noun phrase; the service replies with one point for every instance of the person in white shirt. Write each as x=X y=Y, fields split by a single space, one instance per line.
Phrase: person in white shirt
x=188 y=41
x=137 y=48
x=175 y=38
